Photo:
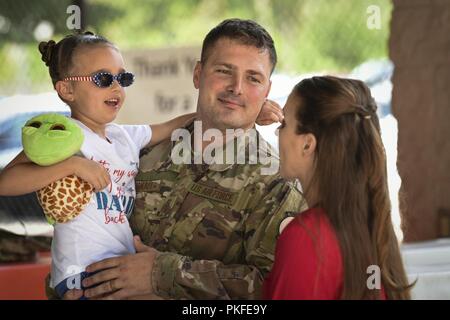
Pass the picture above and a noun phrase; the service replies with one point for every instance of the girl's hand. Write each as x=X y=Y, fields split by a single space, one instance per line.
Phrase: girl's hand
x=91 y=172
x=270 y=113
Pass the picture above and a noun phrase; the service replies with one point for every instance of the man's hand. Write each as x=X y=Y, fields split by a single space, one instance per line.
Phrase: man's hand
x=270 y=113
x=122 y=277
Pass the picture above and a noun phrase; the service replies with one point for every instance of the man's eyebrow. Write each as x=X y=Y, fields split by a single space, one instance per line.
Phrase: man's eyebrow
x=254 y=72
x=230 y=66
x=227 y=65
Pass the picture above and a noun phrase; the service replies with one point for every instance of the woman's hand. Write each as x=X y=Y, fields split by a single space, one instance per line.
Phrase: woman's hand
x=271 y=112
x=91 y=172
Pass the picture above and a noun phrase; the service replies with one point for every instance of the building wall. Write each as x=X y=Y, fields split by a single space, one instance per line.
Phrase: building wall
x=419 y=47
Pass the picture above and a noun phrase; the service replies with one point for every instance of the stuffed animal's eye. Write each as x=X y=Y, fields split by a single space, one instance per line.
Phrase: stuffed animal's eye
x=57 y=127
x=35 y=124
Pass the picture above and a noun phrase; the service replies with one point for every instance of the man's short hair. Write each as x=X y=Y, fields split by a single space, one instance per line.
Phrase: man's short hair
x=247 y=32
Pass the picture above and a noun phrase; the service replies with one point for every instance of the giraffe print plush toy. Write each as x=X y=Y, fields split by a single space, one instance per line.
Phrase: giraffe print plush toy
x=48 y=139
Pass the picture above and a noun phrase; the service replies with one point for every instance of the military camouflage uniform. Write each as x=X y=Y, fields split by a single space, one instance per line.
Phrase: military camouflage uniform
x=214 y=225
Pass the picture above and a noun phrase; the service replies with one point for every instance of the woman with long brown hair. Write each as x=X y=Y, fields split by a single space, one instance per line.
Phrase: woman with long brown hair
x=330 y=141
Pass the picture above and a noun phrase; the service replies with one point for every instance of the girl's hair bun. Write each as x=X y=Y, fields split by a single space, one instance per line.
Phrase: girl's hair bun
x=46 y=50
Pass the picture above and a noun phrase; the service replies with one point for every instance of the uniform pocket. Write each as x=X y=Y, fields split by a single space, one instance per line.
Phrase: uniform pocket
x=207 y=228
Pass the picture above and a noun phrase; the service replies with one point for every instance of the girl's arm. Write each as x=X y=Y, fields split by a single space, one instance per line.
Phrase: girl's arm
x=22 y=176
x=163 y=131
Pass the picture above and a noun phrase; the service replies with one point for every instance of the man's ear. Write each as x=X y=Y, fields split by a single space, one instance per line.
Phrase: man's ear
x=309 y=144
x=197 y=71
x=65 y=90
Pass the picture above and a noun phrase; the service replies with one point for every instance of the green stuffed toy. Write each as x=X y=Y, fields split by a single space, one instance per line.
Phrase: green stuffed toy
x=48 y=139
x=51 y=138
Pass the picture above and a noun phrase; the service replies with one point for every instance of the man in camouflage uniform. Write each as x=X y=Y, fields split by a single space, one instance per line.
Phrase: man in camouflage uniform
x=215 y=226
x=211 y=228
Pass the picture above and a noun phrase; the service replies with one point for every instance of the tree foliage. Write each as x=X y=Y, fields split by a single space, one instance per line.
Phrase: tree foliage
x=310 y=35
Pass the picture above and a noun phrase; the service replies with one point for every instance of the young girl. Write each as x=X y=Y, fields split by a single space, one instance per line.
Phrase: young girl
x=88 y=74
x=344 y=246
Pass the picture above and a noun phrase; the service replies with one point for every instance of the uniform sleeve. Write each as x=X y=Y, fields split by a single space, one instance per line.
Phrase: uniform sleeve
x=307 y=263
x=140 y=134
x=177 y=276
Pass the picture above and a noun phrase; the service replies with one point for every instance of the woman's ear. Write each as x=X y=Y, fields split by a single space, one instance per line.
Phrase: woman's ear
x=309 y=144
x=65 y=90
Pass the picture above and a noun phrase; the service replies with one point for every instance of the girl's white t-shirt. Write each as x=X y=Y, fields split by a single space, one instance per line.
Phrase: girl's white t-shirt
x=102 y=229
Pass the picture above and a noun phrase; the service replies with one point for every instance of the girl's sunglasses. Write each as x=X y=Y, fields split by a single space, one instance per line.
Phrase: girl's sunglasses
x=106 y=79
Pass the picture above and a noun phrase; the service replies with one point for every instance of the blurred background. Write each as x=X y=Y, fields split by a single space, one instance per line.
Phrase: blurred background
x=161 y=40
x=310 y=35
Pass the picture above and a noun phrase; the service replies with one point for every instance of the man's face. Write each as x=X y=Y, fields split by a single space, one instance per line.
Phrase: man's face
x=233 y=84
